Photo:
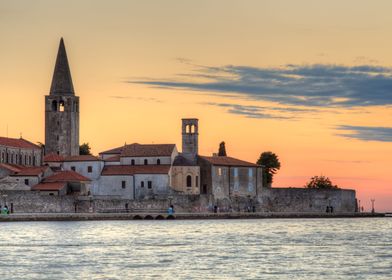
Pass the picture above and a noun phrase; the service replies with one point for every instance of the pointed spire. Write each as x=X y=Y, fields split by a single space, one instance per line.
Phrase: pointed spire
x=62 y=81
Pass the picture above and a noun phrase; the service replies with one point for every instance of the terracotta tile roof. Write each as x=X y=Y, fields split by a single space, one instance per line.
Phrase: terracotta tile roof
x=147 y=150
x=66 y=176
x=11 y=167
x=53 y=158
x=134 y=169
x=113 y=158
x=113 y=151
x=82 y=158
x=32 y=171
x=228 y=161
x=18 y=143
x=56 y=186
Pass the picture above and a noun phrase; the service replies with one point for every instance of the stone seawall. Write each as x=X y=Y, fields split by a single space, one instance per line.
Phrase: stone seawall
x=270 y=200
x=307 y=200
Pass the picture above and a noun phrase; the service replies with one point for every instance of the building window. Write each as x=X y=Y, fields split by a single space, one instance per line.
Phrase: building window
x=133 y=162
x=123 y=184
x=197 y=181
x=34 y=161
x=58 y=152
x=26 y=181
x=220 y=171
x=145 y=162
x=57 y=137
x=89 y=169
x=61 y=106
x=158 y=161
x=149 y=184
x=73 y=168
x=250 y=172
x=189 y=181
x=29 y=160
x=142 y=184
x=54 y=106
x=20 y=159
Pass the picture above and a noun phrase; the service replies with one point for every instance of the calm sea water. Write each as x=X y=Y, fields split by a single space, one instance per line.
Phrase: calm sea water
x=221 y=249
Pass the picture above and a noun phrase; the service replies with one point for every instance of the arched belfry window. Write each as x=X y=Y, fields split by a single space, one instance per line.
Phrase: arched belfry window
x=145 y=162
x=189 y=181
x=158 y=161
x=54 y=106
x=61 y=106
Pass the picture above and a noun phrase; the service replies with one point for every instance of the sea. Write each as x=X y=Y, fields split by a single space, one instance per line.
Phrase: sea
x=356 y=248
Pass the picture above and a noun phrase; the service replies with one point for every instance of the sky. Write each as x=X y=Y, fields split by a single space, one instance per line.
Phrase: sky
x=308 y=80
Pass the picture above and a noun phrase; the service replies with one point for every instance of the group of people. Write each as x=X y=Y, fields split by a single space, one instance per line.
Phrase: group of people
x=5 y=210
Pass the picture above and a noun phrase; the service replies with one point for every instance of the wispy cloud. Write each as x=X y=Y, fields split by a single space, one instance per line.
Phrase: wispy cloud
x=262 y=112
x=305 y=85
x=135 y=98
x=366 y=133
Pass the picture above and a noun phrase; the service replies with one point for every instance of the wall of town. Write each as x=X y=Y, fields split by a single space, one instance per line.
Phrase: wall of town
x=306 y=200
x=270 y=200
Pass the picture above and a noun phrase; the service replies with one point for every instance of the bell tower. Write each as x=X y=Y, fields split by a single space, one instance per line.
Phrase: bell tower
x=190 y=137
x=62 y=110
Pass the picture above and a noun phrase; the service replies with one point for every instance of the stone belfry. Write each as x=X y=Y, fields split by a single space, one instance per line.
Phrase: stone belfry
x=62 y=110
x=190 y=138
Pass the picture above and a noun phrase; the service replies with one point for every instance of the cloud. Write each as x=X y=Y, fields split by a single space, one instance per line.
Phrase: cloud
x=261 y=112
x=135 y=98
x=304 y=85
x=366 y=133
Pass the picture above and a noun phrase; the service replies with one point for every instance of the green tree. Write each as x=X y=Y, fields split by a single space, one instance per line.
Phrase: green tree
x=320 y=182
x=222 y=149
x=271 y=165
x=85 y=149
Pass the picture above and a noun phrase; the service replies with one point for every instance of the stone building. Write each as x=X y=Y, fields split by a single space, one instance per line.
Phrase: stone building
x=62 y=110
x=19 y=152
x=185 y=173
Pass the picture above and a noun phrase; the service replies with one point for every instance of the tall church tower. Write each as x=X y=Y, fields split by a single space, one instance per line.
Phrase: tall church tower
x=190 y=138
x=62 y=110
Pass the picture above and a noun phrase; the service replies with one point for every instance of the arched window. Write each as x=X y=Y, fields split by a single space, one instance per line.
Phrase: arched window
x=54 y=106
x=145 y=162
x=133 y=162
x=61 y=106
x=158 y=161
x=189 y=181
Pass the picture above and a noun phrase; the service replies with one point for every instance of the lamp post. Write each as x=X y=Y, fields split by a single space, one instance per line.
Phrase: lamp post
x=373 y=200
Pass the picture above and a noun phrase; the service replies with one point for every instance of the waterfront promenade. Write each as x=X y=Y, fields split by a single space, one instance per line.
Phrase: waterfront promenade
x=178 y=216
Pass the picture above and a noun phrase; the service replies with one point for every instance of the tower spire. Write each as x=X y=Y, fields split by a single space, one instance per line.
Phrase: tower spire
x=62 y=81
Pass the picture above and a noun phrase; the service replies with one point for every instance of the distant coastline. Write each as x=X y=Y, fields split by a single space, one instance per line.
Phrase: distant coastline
x=176 y=216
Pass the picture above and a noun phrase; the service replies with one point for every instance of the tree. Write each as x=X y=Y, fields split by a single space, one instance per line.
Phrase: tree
x=271 y=165
x=320 y=182
x=222 y=149
x=85 y=149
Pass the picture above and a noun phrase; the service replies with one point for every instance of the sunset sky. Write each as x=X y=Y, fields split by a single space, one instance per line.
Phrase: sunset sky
x=309 y=80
